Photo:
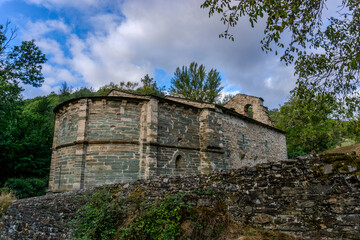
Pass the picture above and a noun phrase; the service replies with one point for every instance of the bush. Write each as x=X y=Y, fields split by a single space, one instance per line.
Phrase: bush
x=160 y=220
x=5 y=200
x=27 y=187
x=105 y=216
x=99 y=218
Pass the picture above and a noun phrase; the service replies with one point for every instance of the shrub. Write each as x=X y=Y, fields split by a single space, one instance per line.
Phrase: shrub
x=5 y=200
x=27 y=187
x=173 y=217
x=98 y=219
x=160 y=220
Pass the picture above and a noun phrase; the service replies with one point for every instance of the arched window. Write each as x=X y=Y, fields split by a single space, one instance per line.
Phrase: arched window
x=249 y=110
x=178 y=162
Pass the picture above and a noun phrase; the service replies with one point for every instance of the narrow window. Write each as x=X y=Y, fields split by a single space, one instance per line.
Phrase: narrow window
x=178 y=162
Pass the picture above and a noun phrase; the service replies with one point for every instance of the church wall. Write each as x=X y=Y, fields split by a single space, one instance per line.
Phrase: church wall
x=178 y=139
x=118 y=120
x=67 y=172
x=102 y=140
x=68 y=124
x=178 y=125
x=97 y=142
x=245 y=143
x=111 y=163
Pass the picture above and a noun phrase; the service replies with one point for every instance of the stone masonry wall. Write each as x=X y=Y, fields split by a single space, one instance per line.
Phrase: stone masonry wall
x=96 y=141
x=118 y=120
x=122 y=138
x=246 y=144
x=310 y=198
x=178 y=137
x=231 y=142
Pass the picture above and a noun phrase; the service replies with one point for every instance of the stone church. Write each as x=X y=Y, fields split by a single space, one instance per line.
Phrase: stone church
x=123 y=137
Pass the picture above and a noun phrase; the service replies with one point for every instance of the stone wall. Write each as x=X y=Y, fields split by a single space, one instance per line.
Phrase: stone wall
x=178 y=139
x=96 y=141
x=124 y=137
x=246 y=144
x=229 y=141
x=310 y=198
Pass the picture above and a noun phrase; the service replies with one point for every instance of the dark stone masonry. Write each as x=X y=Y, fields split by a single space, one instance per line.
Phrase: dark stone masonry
x=124 y=137
x=311 y=198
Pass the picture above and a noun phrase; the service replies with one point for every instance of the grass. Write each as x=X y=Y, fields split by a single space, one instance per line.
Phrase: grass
x=5 y=200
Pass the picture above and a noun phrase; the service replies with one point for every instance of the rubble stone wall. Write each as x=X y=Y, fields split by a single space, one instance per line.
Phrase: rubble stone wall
x=310 y=198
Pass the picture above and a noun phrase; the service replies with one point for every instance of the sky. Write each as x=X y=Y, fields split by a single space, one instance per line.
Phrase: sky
x=90 y=43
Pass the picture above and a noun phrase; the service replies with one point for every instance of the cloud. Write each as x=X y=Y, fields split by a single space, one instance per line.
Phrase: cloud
x=40 y=28
x=160 y=34
x=66 y=3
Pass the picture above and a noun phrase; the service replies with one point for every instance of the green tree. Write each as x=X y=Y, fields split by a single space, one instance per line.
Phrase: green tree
x=150 y=87
x=310 y=126
x=65 y=89
x=18 y=64
x=24 y=140
x=196 y=84
x=326 y=56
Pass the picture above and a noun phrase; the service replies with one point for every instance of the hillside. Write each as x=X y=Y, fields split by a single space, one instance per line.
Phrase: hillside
x=347 y=149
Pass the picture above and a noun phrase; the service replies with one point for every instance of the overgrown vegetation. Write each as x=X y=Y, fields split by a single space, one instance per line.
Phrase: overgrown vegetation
x=26 y=187
x=179 y=216
x=174 y=217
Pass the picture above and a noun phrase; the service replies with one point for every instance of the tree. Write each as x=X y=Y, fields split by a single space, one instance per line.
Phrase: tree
x=310 y=126
x=224 y=98
x=150 y=87
x=65 y=89
x=196 y=84
x=326 y=58
x=22 y=146
x=20 y=63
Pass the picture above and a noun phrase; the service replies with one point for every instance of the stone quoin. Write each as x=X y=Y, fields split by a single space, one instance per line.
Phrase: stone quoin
x=123 y=137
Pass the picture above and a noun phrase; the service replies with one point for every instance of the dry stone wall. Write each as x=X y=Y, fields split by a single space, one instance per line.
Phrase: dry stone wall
x=310 y=198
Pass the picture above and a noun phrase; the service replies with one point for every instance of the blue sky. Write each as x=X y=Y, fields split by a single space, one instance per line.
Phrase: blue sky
x=92 y=43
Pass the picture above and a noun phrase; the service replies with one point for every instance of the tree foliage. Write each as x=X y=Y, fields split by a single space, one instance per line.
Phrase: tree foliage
x=25 y=137
x=195 y=83
x=326 y=56
x=19 y=63
x=310 y=126
x=150 y=87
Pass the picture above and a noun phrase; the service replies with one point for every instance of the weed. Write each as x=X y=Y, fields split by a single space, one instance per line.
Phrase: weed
x=5 y=200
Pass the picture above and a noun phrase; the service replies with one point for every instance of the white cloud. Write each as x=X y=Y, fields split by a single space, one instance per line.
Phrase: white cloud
x=65 y=3
x=161 y=34
x=38 y=29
